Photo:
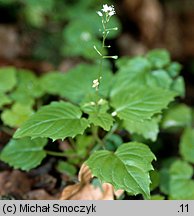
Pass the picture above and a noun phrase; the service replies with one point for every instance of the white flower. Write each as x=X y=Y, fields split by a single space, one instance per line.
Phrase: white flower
x=92 y=103
x=114 y=113
x=111 y=13
x=99 y=13
x=95 y=83
x=101 y=101
x=108 y=9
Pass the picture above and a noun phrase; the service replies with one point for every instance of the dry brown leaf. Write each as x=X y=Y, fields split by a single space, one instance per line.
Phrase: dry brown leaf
x=118 y=193
x=87 y=192
x=14 y=182
x=45 y=181
x=84 y=190
x=85 y=174
x=39 y=194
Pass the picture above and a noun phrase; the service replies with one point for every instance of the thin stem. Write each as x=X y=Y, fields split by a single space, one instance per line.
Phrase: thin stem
x=113 y=129
x=60 y=154
x=100 y=73
x=96 y=137
x=104 y=23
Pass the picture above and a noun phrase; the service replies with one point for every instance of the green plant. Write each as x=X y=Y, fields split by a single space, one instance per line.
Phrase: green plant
x=95 y=108
x=60 y=24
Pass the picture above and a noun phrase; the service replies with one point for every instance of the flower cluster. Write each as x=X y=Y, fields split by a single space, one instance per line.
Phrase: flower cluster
x=96 y=83
x=108 y=10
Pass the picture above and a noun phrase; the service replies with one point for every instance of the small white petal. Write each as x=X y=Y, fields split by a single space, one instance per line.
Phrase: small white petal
x=105 y=8
x=111 y=13
x=114 y=113
x=101 y=101
x=92 y=103
x=95 y=81
x=99 y=13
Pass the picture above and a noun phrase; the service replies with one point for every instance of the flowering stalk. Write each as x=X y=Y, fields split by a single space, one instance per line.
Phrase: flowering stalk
x=106 y=13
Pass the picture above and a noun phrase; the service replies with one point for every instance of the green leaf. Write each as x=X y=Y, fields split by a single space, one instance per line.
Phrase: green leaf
x=176 y=180
x=159 y=78
x=34 y=16
x=78 y=32
x=53 y=82
x=157 y=197
x=178 y=116
x=148 y=128
x=140 y=103
x=181 y=185
x=56 y=121
x=132 y=73
x=139 y=71
x=17 y=115
x=77 y=83
x=4 y=99
x=174 y=69
x=6 y=1
x=159 y=58
x=7 y=79
x=104 y=120
x=187 y=145
x=80 y=151
x=128 y=168
x=94 y=104
x=45 y=4
x=135 y=65
x=83 y=145
x=28 y=87
x=155 y=179
x=164 y=181
x=165 y=175
x=179 y=86
x=113 y=141
x=35 y=11
x=24 y=153
x=64 y=167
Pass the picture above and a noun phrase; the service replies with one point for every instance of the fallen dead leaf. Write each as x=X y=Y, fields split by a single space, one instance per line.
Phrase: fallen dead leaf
x=45 y=181
x=39 y=194
x=14 y=182
x=85 y=174
x=84 y=190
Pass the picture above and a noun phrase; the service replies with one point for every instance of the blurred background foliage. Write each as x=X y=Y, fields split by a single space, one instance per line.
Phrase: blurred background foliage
x=52 y=30
x=57 y=28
